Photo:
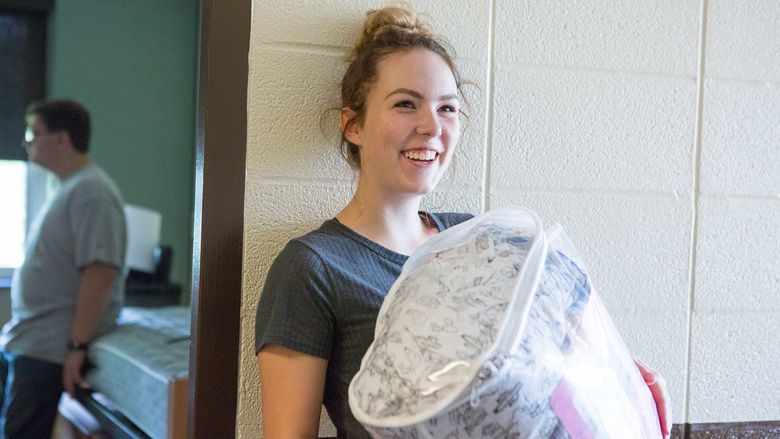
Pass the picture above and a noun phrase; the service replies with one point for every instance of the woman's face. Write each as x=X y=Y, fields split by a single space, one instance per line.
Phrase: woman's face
x=411 y=125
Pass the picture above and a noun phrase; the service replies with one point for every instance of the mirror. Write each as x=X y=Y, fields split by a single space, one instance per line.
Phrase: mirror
x=133 y=64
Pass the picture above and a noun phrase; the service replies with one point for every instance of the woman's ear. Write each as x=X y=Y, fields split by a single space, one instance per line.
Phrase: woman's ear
x=349 y=127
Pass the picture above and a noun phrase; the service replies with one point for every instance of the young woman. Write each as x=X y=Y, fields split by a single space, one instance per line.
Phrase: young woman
x=315 y=320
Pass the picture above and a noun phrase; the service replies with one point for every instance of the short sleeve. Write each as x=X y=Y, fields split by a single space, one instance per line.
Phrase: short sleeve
x=98 y=224
x=295 y=308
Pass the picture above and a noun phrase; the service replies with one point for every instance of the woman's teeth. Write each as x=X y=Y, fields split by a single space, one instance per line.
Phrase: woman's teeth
x=424 y=156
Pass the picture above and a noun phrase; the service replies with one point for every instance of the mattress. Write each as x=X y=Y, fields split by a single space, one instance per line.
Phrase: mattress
x=142 y=367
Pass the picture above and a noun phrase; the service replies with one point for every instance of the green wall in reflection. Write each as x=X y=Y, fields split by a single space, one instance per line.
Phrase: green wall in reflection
x=133 y=63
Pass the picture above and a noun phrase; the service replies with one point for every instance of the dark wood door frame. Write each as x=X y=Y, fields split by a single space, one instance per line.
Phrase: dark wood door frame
x=218 y=217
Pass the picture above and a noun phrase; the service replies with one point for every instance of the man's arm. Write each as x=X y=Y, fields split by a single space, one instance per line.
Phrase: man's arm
x=94 y=290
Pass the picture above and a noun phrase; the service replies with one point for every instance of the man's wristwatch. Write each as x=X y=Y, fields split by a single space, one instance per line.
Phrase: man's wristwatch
x=77 y=346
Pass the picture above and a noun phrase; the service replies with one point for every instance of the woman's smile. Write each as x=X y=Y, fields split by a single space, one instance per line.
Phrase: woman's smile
x=424 y=156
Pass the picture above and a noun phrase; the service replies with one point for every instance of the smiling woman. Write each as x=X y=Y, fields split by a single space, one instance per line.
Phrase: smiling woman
x=400 y=125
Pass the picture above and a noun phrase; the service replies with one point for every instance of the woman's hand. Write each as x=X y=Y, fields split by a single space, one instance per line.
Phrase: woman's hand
x=657 y=386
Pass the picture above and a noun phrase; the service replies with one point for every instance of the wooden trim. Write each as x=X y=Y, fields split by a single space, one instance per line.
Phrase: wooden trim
x=728 y=430
x=177 y=408
x=218 y=217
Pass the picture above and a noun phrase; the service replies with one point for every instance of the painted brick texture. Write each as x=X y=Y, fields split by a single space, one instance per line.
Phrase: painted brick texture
x=650 y=131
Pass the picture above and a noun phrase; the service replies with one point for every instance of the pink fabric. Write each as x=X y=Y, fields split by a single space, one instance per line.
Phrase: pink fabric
x=562 y=402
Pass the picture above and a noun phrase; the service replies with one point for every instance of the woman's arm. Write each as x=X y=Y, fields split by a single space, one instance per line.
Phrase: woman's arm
x=292 y=386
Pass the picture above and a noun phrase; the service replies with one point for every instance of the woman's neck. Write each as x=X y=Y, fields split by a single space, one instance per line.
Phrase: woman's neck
x=396 y=225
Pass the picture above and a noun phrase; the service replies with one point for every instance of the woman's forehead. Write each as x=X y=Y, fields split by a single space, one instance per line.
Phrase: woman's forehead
x=420 y=70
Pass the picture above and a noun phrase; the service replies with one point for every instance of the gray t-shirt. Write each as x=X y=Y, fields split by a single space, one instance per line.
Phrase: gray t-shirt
x=322 y=296
x=83 y=223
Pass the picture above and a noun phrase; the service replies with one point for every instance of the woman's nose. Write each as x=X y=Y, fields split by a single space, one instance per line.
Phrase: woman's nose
x=429 y=123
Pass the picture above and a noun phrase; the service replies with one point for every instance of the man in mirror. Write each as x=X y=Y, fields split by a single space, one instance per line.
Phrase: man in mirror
x=70 y=286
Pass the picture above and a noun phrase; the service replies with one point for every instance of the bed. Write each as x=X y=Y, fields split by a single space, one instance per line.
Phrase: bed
x=140 y=374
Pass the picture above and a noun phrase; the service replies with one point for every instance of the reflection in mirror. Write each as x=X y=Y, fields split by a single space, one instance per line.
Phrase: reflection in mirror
x=133 y=64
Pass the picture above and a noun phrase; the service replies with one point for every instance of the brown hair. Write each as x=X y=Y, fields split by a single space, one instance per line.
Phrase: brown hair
x=385 y=31
x=64 y=115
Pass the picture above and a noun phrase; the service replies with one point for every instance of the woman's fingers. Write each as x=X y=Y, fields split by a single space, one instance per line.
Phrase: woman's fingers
x=657 y=386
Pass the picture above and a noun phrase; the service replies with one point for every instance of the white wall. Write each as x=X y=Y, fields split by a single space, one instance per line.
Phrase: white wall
x=651 y=134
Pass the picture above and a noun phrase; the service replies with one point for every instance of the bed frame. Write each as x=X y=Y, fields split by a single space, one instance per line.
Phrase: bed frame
x=117 y=426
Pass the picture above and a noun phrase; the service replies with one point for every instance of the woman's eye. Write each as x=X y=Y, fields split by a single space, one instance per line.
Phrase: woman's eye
x=404 y=104
x=449 y=109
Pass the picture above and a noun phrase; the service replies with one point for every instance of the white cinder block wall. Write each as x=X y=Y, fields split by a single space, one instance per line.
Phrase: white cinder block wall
x=650 y=130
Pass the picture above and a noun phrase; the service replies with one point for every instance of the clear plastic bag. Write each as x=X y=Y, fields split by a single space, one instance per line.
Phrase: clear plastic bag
x=493 y=330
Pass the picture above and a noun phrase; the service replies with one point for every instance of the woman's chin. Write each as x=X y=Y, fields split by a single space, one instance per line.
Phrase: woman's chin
x=423 y=188
x=418 y=186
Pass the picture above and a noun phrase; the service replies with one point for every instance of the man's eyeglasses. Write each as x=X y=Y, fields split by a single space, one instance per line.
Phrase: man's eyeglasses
x=30 y=136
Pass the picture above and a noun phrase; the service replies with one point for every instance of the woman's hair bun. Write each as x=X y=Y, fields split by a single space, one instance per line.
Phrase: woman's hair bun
x=380 y=22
